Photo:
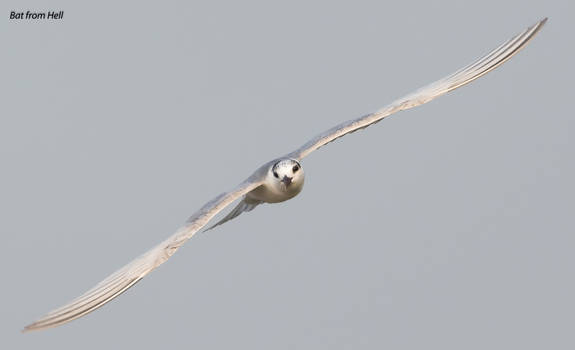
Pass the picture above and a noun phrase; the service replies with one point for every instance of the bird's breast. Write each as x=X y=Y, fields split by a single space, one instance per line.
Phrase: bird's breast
x=275 y=193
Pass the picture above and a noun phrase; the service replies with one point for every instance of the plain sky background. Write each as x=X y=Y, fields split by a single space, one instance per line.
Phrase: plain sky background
x=449 y=226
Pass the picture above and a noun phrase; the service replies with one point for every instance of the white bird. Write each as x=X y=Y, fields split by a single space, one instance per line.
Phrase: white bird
x=275 y=181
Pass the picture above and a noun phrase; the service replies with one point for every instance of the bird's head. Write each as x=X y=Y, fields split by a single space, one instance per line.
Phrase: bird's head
x=288 y=173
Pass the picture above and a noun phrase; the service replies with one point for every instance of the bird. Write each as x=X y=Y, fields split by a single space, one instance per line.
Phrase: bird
x=275 y=181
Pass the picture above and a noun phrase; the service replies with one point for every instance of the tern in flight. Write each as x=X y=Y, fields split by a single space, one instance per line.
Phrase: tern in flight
x=276 y=181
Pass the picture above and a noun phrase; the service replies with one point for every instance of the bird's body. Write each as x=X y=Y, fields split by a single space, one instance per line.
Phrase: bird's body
x=282 y=180
x=276 y=181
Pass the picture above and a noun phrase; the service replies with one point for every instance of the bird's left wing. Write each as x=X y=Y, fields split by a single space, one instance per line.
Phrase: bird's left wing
x=461 y=77
x=121 y=280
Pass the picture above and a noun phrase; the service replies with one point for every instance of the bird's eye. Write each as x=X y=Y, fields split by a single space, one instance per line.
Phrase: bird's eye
x=276 y=174
x=295 y=168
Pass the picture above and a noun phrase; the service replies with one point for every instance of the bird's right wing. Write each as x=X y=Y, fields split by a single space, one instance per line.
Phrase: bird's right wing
x=130 y=274
x=461 y=77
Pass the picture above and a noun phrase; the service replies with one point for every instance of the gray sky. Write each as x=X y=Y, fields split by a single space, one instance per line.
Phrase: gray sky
x=451 y=227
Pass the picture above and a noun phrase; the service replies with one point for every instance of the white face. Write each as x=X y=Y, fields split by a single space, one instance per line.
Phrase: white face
x=288 y=173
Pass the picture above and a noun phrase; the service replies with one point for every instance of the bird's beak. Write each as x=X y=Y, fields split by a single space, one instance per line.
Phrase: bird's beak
x=286 y=180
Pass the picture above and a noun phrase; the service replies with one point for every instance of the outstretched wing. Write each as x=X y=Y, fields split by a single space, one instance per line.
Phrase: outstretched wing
x=130 y=274
x=463 y=76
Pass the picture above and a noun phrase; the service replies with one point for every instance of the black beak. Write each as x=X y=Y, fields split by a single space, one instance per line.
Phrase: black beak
x=286 y=180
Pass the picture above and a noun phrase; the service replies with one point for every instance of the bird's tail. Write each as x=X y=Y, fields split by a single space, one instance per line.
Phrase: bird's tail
x=245 y=204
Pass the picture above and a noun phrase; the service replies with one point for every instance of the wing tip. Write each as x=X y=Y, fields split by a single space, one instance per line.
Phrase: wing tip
x=32 y=327
x=541 y=23
x=537 y=26
x=28 y=329
x=38 y=325
x=55 y=319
